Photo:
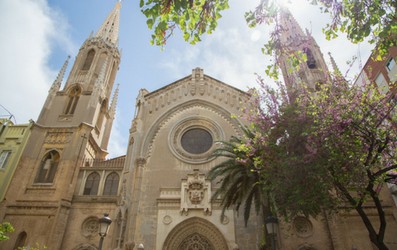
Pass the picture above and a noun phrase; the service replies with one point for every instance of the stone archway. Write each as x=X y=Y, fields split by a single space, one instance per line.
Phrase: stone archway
x=85 y=246
x=195 y=234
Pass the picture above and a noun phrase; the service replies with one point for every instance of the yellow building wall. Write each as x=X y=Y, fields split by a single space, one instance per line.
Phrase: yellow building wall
x=13 y=138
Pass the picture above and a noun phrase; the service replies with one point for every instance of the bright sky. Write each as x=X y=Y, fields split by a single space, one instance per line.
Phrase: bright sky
x=37 y=37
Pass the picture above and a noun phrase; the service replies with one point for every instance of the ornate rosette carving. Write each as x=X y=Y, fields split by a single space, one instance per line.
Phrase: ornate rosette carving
x=90 y=227
x=302 y=226
x=167 y=220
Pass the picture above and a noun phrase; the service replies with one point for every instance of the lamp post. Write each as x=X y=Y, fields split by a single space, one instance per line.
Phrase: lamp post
x=141 y=247
x=271 y=228
x=104 y=224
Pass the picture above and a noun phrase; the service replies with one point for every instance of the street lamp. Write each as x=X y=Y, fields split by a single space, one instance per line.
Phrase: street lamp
x=271 y=228
x=141 y=247
x=104 y=224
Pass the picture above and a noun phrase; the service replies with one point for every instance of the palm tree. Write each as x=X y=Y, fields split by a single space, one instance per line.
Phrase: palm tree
x=241 y=182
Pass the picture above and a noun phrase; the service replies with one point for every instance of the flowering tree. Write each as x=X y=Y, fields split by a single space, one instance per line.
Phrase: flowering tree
x=322 y=150
x=374 y=19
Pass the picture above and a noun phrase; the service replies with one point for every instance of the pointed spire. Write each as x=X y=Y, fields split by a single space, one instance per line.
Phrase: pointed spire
x=114 y=101
x=335 y=68
x=291 y=31
x=58 y=81
x=109 y=31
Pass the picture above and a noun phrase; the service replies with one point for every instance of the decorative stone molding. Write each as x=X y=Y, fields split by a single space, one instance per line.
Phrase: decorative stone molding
x=198 y=85
x=302 y=226
x=167 y=220
x=178 y=131
x=140 y=162
x=196 y=105
x=306 y=247
x=90 y=227
x=196 y=193
x=225 y=220
x=129 y=246
x=85 y=246
x=58 y=137
x=195 y=230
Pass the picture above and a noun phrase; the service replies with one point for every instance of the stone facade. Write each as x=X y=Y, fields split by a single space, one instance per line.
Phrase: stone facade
x=157 y=194
x=62 y=183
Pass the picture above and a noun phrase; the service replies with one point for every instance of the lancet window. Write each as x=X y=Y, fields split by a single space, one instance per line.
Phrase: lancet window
x=88 y=60
x=111 y=184
x=101 y=114
x=311 y=62
x=92 y=184
x=74 y=95
x=48 y=167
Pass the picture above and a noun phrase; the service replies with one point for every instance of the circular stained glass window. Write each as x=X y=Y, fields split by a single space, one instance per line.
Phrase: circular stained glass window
x=196 y=141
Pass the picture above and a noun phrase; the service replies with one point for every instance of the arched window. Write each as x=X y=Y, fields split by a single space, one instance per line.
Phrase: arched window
x=88 y=60
x=48 y=167
x=112 y=75
x=100 y=63
x=111 y=184
x=101 y=115
x=21 y=240
x=92 y=184
x=74 y=95
x=311 y=62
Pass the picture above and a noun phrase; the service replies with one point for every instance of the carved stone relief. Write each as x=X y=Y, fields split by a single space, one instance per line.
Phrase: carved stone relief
x=58 y=137
x=196 y=193
x=195 y=232
x=90 y=227
x=302 y=226
x=196 y=242
x=198 y=86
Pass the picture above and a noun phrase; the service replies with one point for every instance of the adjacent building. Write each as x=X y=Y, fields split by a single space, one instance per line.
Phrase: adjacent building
x=13 y=139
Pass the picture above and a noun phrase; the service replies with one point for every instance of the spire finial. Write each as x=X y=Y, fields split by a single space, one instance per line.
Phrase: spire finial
x=109 y=31
x=334 y=66
x=291 y=30
x=114 y=101
x=58 y=81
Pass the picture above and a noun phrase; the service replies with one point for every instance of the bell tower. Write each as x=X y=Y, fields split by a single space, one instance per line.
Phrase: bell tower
x=72 y=131
x=294 y=41
x=85 y=98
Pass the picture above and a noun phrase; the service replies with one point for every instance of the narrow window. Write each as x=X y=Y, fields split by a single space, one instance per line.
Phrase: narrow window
x=4 y=156
x=21 y=240
x=91 y=184
x=100 y=63
x=111 y=184
x=88 y=60
x=48 y=167
x=101 y=115
x=311 y=62
x=382 y=84
x=74 y=96
x=390 y=64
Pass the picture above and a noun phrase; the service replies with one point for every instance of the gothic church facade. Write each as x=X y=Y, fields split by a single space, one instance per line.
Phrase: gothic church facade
x=157 y=194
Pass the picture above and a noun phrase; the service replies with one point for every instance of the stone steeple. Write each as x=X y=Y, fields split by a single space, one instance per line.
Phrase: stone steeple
x=71 y=133
x=109 y=31
x=85 y=97
x=58 y=81
x=295 y=42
